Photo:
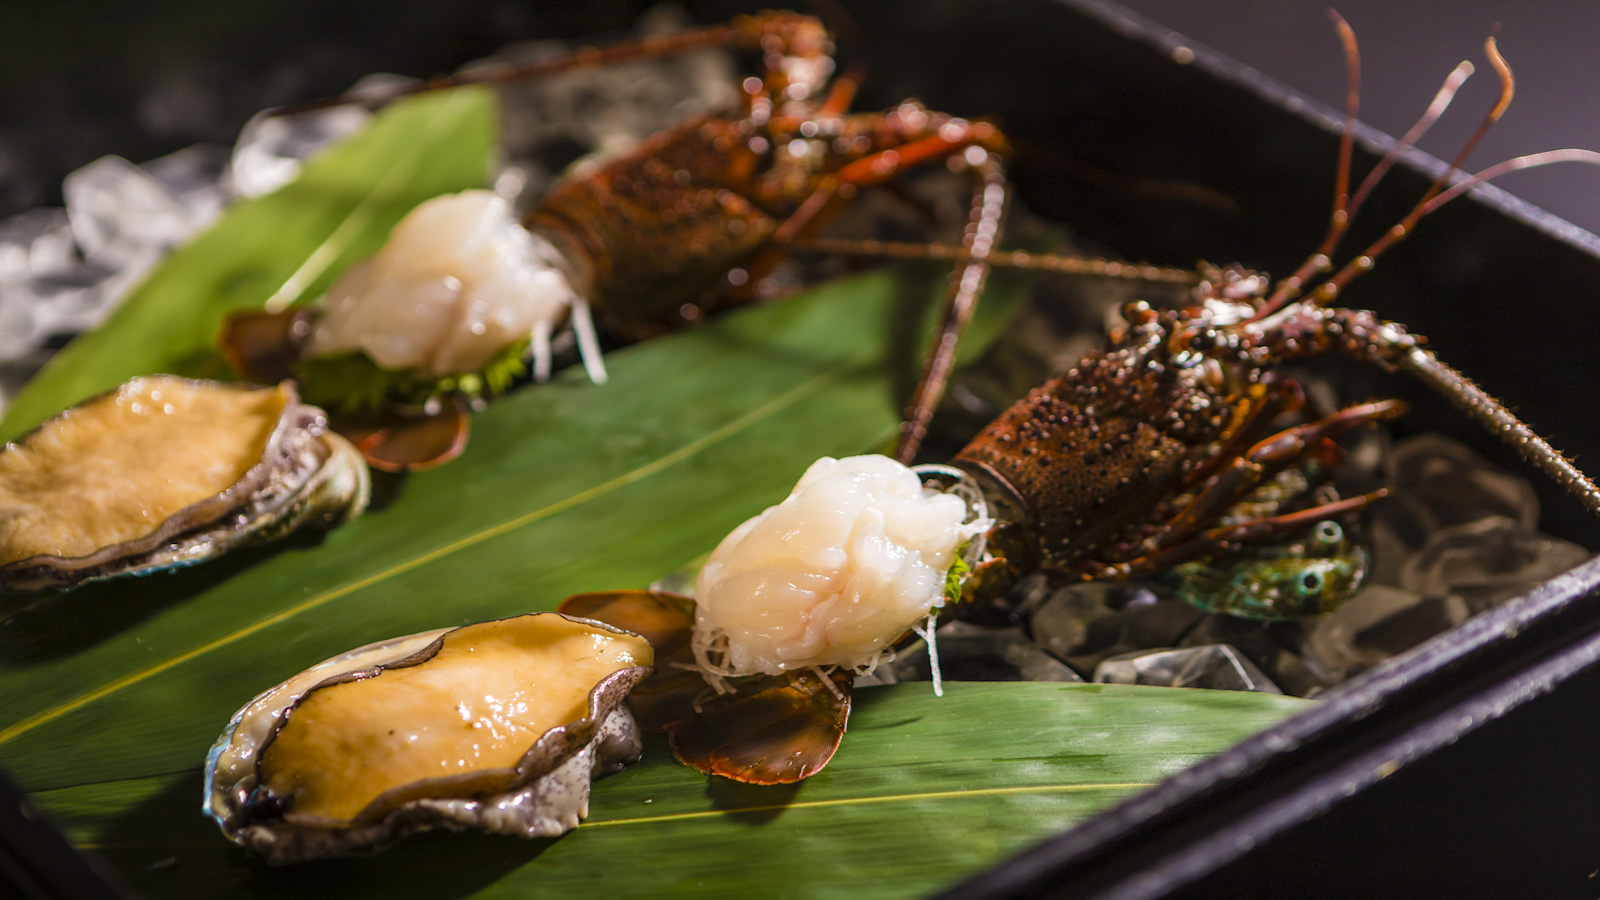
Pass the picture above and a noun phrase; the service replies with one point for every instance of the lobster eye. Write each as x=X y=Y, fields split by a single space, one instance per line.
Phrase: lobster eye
x=1328 y=533
x=1202 y=341
x=1309 y=582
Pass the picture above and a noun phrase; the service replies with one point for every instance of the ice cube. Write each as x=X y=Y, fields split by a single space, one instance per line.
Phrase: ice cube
x=1487 y=561
x=1440 y=482
x=1084 y=624
x=1217 y=667
x=973 y=653
x=1377 y=624
x=36 y=243
x=19 y=324
x=269 y=150
x=1274 y=647
x=194 y=175
x=119 y=213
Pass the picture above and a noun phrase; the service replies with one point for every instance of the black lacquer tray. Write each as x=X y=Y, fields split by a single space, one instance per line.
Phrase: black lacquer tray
x=1464 y=767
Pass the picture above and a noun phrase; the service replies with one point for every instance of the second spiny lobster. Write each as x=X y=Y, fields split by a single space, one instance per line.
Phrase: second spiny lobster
x=690 y=221
x=1149 y=453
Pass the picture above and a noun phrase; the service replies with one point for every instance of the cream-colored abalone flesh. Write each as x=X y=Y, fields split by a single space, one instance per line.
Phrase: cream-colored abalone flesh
x=499 y=726
x=165 y=471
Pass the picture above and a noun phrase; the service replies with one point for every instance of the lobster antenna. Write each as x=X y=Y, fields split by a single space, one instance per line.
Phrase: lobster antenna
x=999 y=259
x=1340 y=223
x=1330 y=288
x=1352 y=104
x=1441 y=102
x=1530 y=161
x=1485 y=409
x=1319 y=260
x=746 y=31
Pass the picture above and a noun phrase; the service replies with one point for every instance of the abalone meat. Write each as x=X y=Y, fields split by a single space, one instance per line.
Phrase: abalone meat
x=166 y=471
x=499 y=726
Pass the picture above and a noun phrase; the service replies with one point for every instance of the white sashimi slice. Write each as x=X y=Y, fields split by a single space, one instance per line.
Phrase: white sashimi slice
x=848 y=562
x=458 y=281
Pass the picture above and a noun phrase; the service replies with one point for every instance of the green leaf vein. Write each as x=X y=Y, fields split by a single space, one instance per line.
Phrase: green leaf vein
x=666 y=461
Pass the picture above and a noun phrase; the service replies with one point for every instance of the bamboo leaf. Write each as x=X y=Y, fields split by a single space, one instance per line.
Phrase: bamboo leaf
x=113 y=693
x=924 y=791
x=285 y=246
x=565 y=487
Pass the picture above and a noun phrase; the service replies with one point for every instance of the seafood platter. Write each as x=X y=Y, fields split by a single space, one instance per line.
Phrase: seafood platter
x=764 y=450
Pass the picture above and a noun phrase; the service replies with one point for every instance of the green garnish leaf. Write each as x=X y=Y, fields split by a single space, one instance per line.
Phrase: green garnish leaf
x=352 y=383
x=957 y=575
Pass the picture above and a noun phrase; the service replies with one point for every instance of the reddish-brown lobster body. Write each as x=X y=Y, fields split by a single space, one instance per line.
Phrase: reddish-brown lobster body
x=692 y=220
x=1154 y=451
x=665 y=226
x=1125 y=462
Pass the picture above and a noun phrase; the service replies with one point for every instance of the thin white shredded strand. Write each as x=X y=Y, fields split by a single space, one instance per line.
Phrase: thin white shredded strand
x=872 y=665
x=832 y=688
x=718 y=683
x=715 y=671
x=926 y=632
x=539 y=342
x=588 y=342
x=700 y=697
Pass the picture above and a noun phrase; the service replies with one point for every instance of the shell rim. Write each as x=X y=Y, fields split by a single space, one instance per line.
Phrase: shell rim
x=554 y=747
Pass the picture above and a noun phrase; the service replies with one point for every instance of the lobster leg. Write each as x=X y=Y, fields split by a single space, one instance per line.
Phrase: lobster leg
x=840 y=95
x=1304 y=328
x=966 y=284
x=1259 y=405
x=1219 y=539
x=1268 y=457
x=952 y=137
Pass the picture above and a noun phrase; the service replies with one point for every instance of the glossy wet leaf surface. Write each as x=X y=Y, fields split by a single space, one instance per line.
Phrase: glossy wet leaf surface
x=924 y=791
x=113 y=693
x=565 y=487
x=284 y=247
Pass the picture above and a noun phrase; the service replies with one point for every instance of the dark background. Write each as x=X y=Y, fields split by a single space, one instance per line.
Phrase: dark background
x=1512 y=807
x=78 y=80
x=1407 y=48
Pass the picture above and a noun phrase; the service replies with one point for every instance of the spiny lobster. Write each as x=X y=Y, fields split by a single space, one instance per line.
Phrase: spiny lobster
x=1133 y=461
x=690 y=221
